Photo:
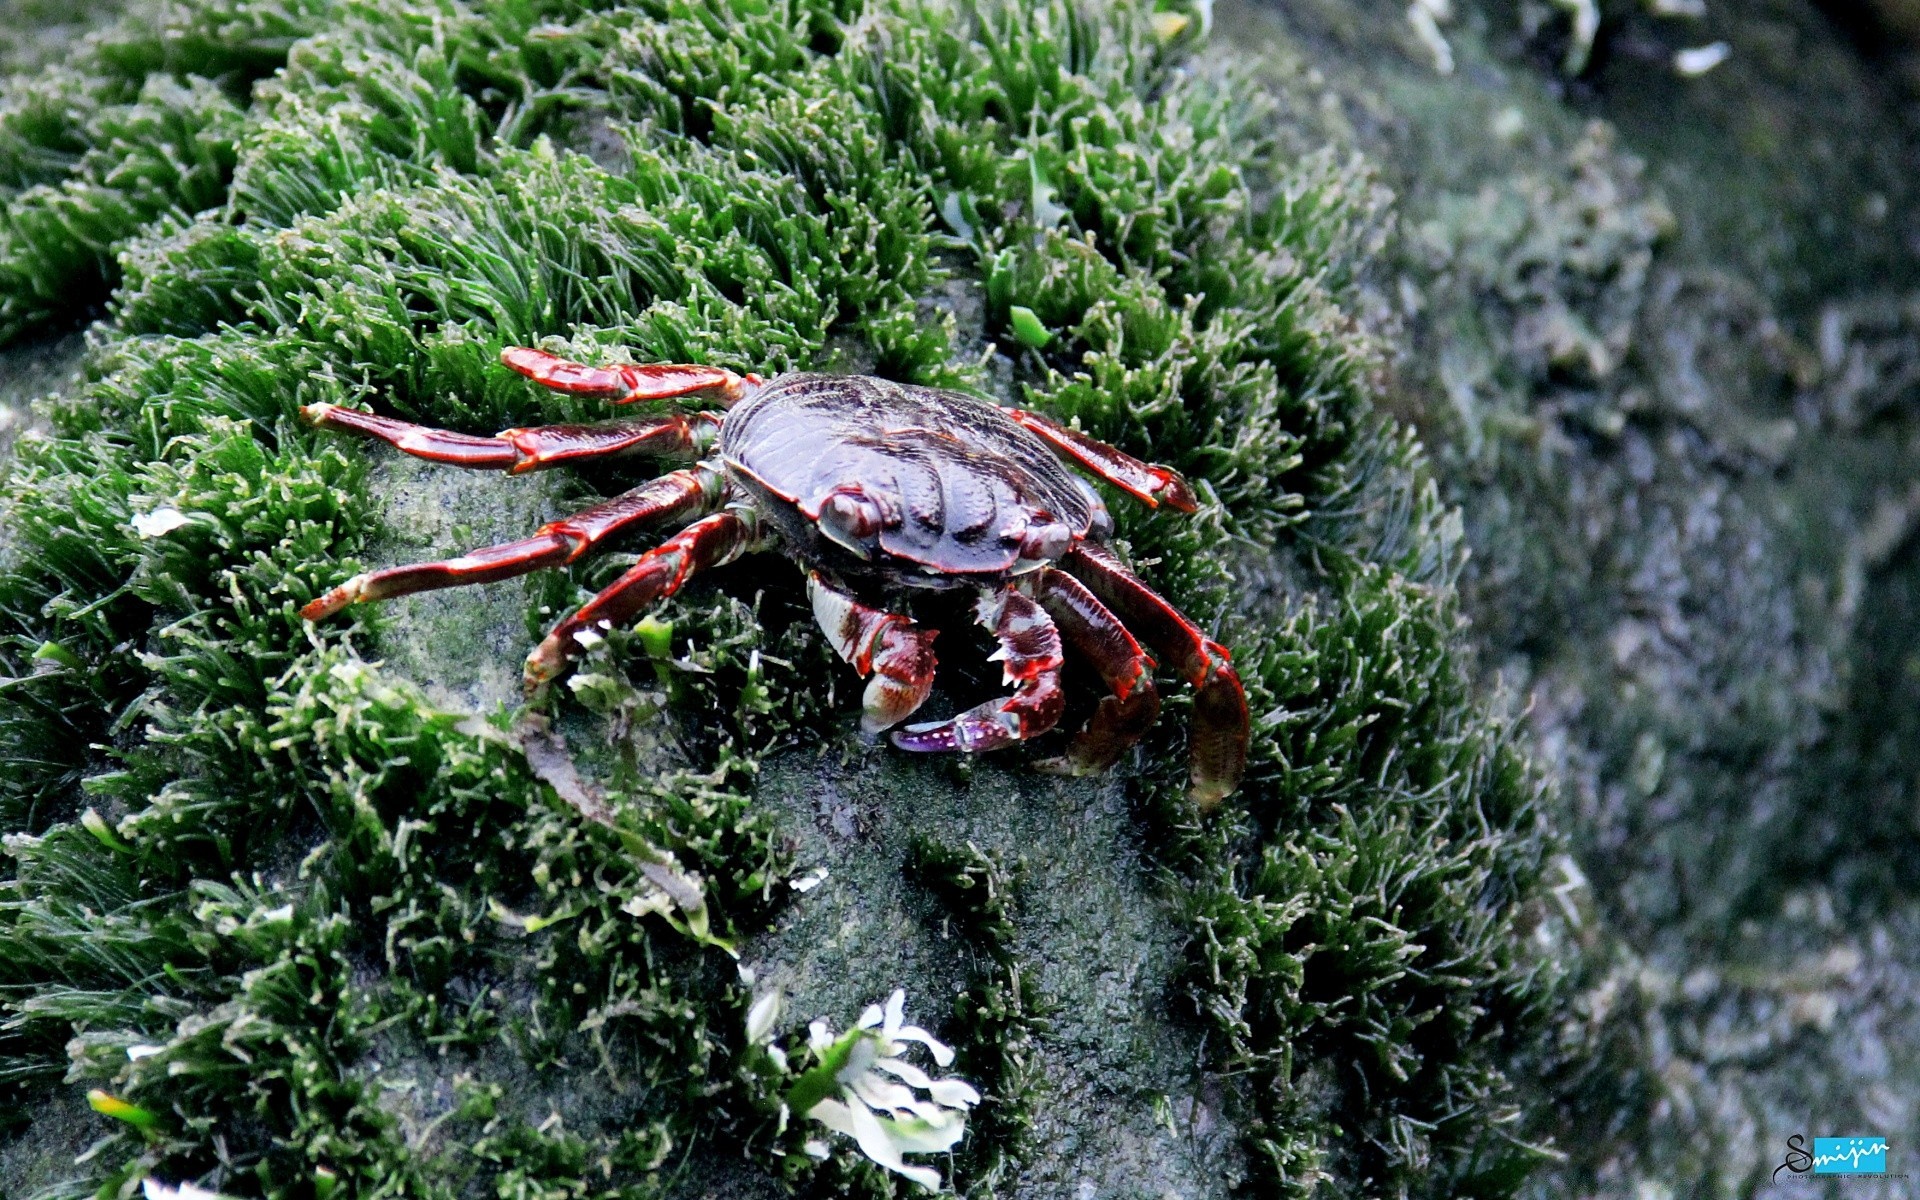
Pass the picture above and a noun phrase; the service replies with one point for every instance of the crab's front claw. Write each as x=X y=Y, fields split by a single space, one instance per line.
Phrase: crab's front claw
x=903 y=667
x=888 y=647
x=986 y=727
x=1030 y=651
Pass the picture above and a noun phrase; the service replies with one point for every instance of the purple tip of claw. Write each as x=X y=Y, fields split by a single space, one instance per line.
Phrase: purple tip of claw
x=932 y=737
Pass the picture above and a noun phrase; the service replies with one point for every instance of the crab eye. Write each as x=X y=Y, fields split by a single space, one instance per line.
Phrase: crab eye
x=850 y=519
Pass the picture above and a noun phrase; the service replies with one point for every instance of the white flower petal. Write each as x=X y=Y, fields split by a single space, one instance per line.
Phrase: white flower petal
x=153 y=1189
x=877 y=1144
x=869 y=1018
x=762 y=1017
x=896 y=1010
x=818 y=1037
x=913 y=1033
x=880 y=1093
x=834 y=1114
x=926 y=1136
x=906 y=1071
x=811 y=880
x=159 y=523
x=859 y=1058
x=953 y=1093
x=815 y=1148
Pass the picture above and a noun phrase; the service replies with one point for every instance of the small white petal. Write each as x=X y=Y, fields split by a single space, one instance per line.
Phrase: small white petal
x=939 y=1049
x=1701 y=59
x=811 y=880
x=860 y=1057
x=153 y=1189
x=818 y=1037
x=834 y=1114
x=159 y=523
x=902 y=1069
x=879 y=1094
x=136 y=1053
x=870 y=1018
x=762 y=1018
x=896 y=1010
x=929 y=1136
x=878 y=1145
x=954 y=1093
x=815 y=1148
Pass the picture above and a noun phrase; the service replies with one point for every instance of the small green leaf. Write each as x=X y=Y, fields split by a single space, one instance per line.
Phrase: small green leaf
x=96 y=825
x=1027 y=329
x=656 y=637
x=54 y=652
x=113 y=1106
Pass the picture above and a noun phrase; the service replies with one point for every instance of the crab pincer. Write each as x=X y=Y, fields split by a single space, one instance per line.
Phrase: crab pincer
x=1030 y=649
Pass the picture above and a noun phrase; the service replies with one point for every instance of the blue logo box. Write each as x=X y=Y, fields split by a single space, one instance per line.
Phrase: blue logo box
x=1849 y=1156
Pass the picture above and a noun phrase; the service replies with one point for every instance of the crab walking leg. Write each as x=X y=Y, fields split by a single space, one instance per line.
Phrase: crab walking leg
x=1221 y=726
x=1144 y=481
x=706 y=543
x=519 y=450
x=887 y=646
x=1030 y=648
x=1132 y=702
x=624 y=383
x=678 y=496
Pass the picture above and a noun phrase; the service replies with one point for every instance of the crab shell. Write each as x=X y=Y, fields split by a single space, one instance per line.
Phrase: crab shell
x=903 y=485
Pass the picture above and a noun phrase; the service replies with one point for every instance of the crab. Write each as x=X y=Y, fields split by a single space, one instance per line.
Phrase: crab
x=880 y=490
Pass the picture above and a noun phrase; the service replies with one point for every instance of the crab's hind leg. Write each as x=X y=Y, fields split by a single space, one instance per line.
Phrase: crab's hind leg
x=890 y=648
x=1030 y=648
x=659 y=573
x=1145 y=481
x=677 y=496
x=1131 y=703
x=624 y=383
x=517 y=450
x=1221 y=726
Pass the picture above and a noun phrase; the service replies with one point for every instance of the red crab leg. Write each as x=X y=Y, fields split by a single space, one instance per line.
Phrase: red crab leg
x=680 y=494
x=1221 y=726
x=897 y=653
x=519 y=450
x=1098 y=636
x=1142 y=480
x=706 y=543
x=1030 y=647
x=624 y=383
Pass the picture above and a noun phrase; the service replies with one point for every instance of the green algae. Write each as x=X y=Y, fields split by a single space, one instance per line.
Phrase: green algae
x=364 y=923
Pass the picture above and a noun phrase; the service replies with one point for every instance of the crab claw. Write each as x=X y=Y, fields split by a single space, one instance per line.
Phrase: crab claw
x=984 y=727
x=1030 y=648
x=890 y=648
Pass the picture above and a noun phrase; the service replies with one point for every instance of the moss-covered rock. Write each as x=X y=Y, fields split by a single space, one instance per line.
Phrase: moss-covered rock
x=313 y=908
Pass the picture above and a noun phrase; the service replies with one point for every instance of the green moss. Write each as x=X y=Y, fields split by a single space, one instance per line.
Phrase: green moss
x=340 y=927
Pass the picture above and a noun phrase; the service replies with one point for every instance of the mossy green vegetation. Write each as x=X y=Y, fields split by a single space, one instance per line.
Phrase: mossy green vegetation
x=321 y=933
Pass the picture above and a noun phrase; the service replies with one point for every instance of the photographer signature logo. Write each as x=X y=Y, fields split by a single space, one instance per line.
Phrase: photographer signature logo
x=1835 y=1156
